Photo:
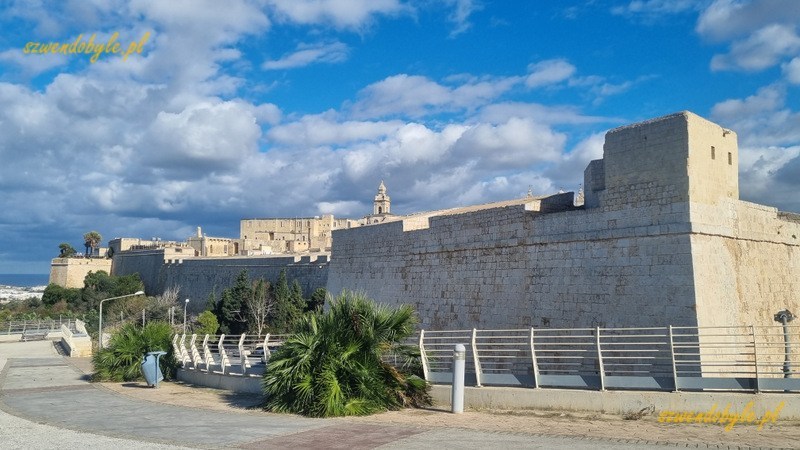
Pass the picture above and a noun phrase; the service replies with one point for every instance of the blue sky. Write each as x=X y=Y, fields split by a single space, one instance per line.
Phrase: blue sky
x=287 y=108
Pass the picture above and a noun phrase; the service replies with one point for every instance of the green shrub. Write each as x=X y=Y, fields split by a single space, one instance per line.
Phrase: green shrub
x=121 y=360
x=208 y=323
x=333 y=363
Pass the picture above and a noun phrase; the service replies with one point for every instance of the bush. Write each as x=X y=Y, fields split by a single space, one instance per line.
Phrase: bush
x=121 y=360
x=54 y=293
x=333 y=364
x=207 y=323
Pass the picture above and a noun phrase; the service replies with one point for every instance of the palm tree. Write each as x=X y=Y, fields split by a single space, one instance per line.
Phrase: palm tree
x=66 y=250
x=121 y=359
x=333 y=365
x=91 y=240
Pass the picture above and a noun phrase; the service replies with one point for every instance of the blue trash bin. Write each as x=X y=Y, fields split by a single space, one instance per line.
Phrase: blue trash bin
x=150 y=368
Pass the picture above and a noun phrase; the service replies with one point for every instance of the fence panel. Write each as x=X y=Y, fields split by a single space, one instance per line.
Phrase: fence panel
x=744 y=358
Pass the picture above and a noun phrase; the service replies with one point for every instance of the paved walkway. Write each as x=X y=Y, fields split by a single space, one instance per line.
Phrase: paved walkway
x=45 y=402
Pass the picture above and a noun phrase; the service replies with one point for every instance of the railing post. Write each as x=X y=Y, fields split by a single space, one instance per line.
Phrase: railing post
x=267 y=353
x=196 y=359
x=600 y=361
x=207 y=354
x=422 y=355
x=672 y=357
x=457 y=393
x=534 y=363
x=223 y=355
x=475 y=358
x=755 y=357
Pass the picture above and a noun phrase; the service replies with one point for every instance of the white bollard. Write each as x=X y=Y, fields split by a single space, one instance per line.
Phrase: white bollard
x=459 y=361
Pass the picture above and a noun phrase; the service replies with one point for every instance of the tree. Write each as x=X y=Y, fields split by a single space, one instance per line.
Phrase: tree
x=211 y=301
x=233 y=307
x=333 y=364
x=287 y=310
x=91 y=240
x=259 y=306
x=207 y=323
x=100 y=285
x=317 y=300
x=66 y=251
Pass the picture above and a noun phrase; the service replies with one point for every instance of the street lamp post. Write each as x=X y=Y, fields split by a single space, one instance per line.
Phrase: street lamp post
x=185 y=305
x=784 y=317
x=100 y=326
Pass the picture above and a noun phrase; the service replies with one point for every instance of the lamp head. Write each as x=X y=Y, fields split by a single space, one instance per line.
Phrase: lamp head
x=784 y=316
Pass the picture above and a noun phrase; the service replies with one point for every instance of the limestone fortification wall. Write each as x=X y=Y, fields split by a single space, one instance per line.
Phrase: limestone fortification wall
x=70 y=272
x=512 y=268
x=198 y=277
x=663 y=239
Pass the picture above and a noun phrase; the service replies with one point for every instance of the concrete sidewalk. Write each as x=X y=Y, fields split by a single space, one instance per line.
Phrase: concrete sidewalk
x=44 y=388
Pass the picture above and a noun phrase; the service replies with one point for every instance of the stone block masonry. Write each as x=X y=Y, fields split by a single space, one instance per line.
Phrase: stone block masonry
x=514 y=268
x=198 y=277
x=663 y=239
x=70 y=272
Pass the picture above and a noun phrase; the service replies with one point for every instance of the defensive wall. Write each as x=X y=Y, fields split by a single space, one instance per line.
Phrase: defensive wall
x=70 y=272
x=662 y=239
x=198 y=277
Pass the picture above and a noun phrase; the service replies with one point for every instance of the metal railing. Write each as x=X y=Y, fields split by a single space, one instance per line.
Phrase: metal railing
x=43 y=325
x=743 y=358
x=746 y=358
x=244 y=354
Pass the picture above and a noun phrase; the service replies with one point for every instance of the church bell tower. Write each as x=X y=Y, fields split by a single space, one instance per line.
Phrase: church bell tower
x=382 y=204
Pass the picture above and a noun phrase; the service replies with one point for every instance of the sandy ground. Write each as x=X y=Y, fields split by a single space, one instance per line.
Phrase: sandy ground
x=783 y=434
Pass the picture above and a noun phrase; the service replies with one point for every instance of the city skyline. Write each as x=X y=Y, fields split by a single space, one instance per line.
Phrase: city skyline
x=284 y=108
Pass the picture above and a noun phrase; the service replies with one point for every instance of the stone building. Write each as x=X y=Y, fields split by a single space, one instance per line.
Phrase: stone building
x=290 y=235
x=212 y=246
x=305 y=234
x=662 y=239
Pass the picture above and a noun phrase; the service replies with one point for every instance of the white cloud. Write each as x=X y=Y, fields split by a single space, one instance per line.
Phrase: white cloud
x=769 y=175
x=346 y=208
x=724 y=20
x=769 y=154
x=550 y=115
x=353 y=14
x=321 y=130
x=791 y=70
x=656 y=9
x=763 y=49
x=416 y=96
x=765 y=102
x=162 y=143
x=516 y=143
x=760 y=33
x=206 y=21
x=548 y=72
x=33 y=65
x=307 y=54
x=203 y=136
x=462 y=10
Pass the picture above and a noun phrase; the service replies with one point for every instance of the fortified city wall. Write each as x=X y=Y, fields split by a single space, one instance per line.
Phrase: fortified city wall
x=70 y=272
x=662 y=239
x=197 y=277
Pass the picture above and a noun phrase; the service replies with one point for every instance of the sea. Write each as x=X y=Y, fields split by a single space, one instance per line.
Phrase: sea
x=24 y=279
